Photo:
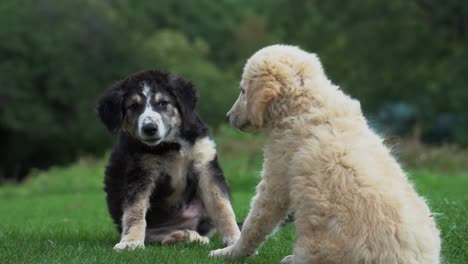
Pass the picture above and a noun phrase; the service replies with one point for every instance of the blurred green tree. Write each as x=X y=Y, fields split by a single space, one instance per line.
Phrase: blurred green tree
x=56 y=57
x=53 y=57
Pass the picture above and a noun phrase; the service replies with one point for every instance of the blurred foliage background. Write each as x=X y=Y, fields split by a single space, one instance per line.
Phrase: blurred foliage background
x=406 y=60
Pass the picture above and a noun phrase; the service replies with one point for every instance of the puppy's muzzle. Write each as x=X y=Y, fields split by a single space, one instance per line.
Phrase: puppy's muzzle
x=150 y=129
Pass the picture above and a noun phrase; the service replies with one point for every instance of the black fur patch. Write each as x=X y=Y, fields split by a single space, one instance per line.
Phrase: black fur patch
x=109 y=107
x=163 y=188
x=205 y=226
x=218 y=175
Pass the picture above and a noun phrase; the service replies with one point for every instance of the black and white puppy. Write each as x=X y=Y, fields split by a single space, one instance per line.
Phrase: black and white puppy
x=163 y=181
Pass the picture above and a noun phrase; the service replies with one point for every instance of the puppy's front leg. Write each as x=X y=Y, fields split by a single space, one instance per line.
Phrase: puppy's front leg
x=269 y=207
x=214 y=190
x=215 y=195
x=134 y=223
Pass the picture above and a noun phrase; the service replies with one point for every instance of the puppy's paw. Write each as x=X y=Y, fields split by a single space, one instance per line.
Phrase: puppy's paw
x=185 y=236
x=231 y=251
x=224 y=252
x=129 y=245
x=288 y=260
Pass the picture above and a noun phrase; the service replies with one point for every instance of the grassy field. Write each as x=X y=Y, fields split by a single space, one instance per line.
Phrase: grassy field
x=59 y=216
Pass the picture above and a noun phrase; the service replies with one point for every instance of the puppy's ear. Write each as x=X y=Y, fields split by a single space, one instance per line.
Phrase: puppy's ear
x=186 y=96
x=258 y=101
x=109 y=107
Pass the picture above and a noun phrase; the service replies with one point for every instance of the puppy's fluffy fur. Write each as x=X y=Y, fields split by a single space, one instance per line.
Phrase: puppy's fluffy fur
x=352 y=201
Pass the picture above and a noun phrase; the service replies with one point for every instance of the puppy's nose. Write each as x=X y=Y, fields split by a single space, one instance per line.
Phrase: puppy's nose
x=150 y=129
x=226 y=119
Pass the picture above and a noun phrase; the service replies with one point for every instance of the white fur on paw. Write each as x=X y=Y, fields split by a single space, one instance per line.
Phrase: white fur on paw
x=288 y=260
x=231 y=251
x=187 y=236
x=222 y=252
x=203 y=240
x=129 y=245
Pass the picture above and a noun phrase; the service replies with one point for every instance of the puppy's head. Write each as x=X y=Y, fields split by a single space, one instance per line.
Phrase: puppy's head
x=248 y=111
x=272 y=73
x=151 y=106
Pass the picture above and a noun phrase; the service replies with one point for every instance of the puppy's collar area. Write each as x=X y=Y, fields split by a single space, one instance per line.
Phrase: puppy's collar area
x=136 y=146
x=158 y=141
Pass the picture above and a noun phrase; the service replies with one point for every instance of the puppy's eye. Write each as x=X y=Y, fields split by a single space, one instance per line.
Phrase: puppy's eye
x=133 y=106
x=162 y=104
x=242 y=91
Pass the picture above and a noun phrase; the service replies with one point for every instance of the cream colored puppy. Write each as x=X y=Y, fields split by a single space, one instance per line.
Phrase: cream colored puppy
x=352 y=201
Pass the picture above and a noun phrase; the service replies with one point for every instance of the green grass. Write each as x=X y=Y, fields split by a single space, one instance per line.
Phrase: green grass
x=59 y=216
